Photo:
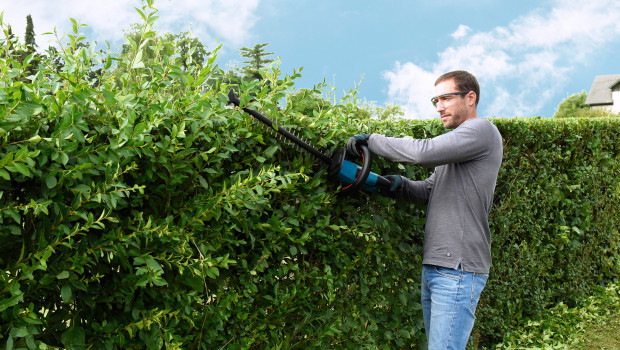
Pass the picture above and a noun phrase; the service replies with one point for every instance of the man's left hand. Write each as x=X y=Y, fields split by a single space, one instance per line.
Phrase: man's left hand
x=396 y=182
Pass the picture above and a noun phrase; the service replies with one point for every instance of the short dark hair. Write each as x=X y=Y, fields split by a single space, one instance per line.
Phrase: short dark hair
x=464 y=81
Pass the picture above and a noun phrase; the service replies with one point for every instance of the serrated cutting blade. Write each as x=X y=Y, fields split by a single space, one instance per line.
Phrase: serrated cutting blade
x=233 y=99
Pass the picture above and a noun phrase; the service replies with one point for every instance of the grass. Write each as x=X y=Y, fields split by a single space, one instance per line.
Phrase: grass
x=603 y=336
x=595 y=324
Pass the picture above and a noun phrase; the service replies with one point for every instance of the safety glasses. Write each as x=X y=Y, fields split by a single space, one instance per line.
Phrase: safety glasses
x=436 y=99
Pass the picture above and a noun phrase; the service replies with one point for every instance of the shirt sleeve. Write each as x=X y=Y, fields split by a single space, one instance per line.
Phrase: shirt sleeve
x=416 y=191
x=464 y=143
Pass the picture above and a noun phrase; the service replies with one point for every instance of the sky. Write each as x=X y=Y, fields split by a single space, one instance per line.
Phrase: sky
x=527 y=55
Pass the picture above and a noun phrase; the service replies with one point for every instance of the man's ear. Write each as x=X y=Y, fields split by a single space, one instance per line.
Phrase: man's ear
x=471 y=98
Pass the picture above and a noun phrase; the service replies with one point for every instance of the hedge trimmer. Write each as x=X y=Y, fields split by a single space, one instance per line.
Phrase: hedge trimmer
x=352 y=176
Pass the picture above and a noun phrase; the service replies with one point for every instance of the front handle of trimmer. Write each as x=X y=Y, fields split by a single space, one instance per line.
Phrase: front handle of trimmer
x=362 y=176
x=354 y=177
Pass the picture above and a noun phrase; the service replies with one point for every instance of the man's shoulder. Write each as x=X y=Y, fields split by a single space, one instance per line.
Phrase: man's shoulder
x=483 y=130
x=478 y=123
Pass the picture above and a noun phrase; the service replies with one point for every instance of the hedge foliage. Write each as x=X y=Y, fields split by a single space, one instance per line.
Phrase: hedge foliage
x=138 y=210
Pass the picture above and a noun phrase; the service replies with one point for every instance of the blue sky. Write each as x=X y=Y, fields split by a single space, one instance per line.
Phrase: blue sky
x=528 y=55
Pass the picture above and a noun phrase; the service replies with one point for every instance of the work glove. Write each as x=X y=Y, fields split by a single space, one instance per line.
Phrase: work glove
x=354 y=142
x=396 y=182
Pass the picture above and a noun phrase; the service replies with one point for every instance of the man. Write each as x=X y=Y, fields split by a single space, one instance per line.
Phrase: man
x=459 y=194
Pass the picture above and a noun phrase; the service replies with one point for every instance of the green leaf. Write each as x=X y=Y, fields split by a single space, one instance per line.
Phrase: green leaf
x=108 y=63
x=35 y=139
x=19 y=332
x=203 y=182
x=137 y=62
x=74 y=338
x=50 y=181
x=82 y=188
x=139 y=128
x=152 y=20
x=213 y=272
x=30 y=342
x=404 y=334
x=66 y=293
x=13 y=213
x=7 y=159
x=63 y=275
x=5 y=303
x=153 y=264
x=19 y=167
x=109 y=96
x=141 y=13
x=75 y=25
x=64 y=158
x=271 y=150
x=5 y=175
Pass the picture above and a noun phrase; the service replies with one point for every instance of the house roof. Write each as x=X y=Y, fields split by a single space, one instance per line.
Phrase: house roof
x=600 y=92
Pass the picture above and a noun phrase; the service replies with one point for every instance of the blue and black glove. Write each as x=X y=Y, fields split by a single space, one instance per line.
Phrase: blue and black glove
x=354 y=142
x=396 y=182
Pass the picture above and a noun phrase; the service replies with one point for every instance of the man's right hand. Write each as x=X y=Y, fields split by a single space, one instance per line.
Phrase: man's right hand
x=354 y=141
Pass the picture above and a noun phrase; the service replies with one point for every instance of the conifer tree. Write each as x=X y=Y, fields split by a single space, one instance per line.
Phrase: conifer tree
x=30 y=36
x=257 y=60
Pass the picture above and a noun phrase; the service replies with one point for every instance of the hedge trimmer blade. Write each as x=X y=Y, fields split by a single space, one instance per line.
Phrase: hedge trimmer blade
x=292 y=138
x=352 y=176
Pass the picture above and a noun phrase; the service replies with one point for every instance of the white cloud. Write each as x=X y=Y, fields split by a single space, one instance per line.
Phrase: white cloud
x=227 y=20
x=520 y=66
x=230 y=21
x=412 y=87
x=461 y=32
x=105 y=19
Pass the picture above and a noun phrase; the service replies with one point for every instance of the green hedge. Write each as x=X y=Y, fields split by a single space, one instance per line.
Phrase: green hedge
x=140 y=211
x=555 y=218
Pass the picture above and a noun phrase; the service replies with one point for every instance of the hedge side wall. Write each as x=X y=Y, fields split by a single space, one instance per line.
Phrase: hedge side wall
x=144 y=212
x=555 y=217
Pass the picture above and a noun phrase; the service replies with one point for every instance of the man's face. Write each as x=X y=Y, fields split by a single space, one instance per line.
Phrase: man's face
x=454 y=109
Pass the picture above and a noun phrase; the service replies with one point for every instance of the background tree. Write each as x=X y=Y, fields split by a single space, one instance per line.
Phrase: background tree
x=307 y=101
x=574 y=106
x=191 y=50
x=257 y=60
x=21 y=53
x=30 y=42
x=390 y=111
x=229 y=76
x=134 y=36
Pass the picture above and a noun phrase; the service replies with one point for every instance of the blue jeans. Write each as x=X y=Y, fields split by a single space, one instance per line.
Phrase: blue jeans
x=449 y=300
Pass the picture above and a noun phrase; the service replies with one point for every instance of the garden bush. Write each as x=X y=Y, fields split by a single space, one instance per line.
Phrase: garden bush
x=139 y=210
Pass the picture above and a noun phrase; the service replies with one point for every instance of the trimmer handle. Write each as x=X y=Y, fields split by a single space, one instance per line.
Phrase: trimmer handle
x=352 y=176
x=363 y=175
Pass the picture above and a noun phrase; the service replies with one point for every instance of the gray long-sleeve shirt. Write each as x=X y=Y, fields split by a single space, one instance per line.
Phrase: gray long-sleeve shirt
x=459 y=193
